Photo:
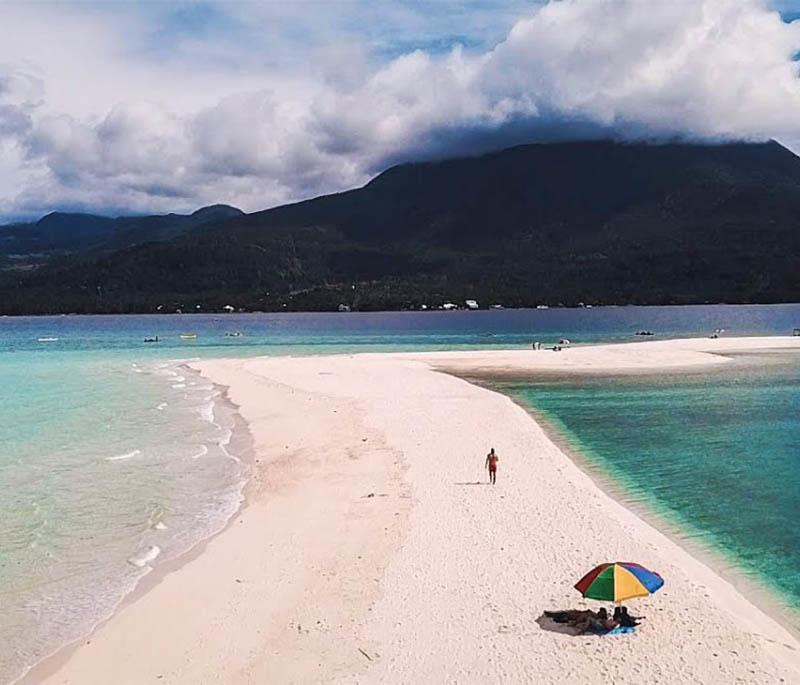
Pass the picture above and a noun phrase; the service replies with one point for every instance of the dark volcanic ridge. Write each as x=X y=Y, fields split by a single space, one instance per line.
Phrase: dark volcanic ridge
x=595 y=222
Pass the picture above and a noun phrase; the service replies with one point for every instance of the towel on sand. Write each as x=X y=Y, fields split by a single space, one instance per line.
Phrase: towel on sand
x=621 y=630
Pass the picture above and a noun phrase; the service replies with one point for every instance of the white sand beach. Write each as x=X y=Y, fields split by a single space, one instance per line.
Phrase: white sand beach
x=370 y=548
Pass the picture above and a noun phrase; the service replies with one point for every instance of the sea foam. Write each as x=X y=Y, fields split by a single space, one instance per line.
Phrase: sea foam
x=201 y=452
x=127 y=455
x=206 y=411
x=143 y=559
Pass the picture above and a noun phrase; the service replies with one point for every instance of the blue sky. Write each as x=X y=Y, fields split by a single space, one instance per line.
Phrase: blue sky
x=388 y=28
x=165 y=106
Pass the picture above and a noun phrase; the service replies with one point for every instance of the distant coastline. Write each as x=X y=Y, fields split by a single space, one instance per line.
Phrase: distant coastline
x=593 y=221
x=432 y=309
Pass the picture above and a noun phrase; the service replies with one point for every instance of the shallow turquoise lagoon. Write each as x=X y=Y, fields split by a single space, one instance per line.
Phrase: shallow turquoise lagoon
x=717 y=453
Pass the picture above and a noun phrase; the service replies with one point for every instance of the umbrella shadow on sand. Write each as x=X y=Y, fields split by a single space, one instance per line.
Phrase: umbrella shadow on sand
x=547 y=623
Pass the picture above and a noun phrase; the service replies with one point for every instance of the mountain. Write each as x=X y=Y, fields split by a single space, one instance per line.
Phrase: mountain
x=205 y=215
x=62 y=232
x=55 y=232
x=563 y=223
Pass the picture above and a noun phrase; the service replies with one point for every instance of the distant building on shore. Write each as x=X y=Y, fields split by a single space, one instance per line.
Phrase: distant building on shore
x=471 y=304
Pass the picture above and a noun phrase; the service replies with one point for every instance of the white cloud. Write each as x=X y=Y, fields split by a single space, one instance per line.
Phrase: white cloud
x=111 y=128
x=710 y=67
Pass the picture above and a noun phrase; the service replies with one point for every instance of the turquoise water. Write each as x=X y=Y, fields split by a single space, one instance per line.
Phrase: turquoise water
x=106 y=466
x=714 y=452
x=114 y=457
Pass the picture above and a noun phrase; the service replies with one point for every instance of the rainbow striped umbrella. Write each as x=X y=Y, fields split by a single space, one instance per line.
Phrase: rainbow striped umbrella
x=619 y=581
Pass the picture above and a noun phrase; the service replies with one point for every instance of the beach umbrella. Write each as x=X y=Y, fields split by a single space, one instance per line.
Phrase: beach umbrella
x=619 y=581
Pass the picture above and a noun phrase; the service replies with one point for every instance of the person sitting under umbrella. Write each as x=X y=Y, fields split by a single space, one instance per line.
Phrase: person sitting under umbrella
x=600 y=624
x=584 y=620
x=624 y=619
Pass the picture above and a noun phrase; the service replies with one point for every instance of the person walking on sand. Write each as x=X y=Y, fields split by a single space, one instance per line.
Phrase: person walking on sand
x=491 y=464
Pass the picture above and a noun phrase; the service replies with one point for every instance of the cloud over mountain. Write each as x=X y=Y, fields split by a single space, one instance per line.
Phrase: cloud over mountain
x=329 y=119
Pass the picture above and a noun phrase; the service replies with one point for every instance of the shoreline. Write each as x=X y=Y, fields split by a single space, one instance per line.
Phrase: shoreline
x=50 y=664
x=767 y=598
x=769 y=601
x=530 y=307
x=302 y=375
x=50 y=668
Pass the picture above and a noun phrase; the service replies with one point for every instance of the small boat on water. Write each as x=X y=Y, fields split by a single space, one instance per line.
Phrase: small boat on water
x=188 y=336
x=47 y=340
x=233 y=334
x=151 y=340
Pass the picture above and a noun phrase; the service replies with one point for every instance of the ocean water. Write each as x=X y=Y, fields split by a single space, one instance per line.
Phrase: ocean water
x=314 y=333
x=714 y=454
x=106 y=467
x=115 y=458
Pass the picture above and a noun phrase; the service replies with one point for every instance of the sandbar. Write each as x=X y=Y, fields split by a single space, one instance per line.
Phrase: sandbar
x=371 y=548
